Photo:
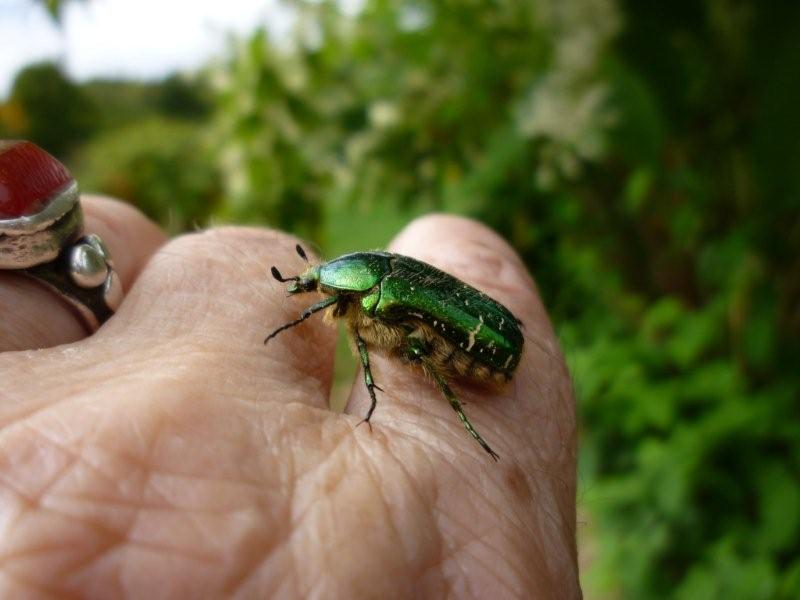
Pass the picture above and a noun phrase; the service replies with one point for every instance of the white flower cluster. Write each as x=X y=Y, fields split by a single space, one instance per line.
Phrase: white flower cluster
x=567 y=109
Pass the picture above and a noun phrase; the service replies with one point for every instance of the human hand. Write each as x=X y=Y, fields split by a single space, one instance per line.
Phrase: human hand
x=171 y=454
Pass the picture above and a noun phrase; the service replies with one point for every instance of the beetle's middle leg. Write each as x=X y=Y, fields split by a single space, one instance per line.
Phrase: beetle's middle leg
x=417 y=351
x=368 y=380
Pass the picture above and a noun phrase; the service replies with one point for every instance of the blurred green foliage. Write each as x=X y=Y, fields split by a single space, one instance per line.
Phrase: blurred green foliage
x=47 y=108
x=162 y=163
x=146 y=142
x=639 y=156
x=125 y=102
x=644 y=159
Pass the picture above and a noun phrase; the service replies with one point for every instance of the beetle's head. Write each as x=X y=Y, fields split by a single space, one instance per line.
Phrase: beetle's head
x=305 y=282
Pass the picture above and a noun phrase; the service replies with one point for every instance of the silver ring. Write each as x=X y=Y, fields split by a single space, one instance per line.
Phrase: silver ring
x=41 y=233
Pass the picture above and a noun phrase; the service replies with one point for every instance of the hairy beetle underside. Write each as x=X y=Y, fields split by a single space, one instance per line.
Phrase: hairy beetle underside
x=390 y=339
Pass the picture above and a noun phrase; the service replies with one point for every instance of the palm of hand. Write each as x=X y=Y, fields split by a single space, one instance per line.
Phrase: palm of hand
x=171 y=455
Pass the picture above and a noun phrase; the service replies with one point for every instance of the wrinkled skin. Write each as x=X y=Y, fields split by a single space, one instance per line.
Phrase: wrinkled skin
x=171 y=454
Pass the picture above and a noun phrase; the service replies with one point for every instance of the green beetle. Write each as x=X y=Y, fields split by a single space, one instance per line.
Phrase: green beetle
x=413 y=311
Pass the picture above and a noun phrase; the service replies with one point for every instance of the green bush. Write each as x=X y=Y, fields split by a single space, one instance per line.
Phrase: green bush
x=162 y=165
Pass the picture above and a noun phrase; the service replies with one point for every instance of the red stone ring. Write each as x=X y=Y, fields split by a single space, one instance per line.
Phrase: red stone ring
x=41 y=233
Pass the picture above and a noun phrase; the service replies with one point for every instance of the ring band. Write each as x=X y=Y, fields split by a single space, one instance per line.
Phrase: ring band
x=41 y=233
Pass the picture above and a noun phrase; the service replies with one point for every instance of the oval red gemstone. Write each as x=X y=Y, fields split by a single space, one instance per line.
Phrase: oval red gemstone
x=29 y=179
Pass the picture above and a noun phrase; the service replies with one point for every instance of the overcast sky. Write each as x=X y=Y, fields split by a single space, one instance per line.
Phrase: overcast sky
x=127 y=38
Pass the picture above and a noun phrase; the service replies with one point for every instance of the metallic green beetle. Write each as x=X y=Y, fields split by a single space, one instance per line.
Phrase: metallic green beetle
x=411 y=310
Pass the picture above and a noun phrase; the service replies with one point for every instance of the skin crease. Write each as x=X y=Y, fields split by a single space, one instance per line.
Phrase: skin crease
x=171 y=454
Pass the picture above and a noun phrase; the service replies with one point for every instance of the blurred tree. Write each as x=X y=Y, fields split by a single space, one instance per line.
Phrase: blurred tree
x=182 y=97
x=51 y=110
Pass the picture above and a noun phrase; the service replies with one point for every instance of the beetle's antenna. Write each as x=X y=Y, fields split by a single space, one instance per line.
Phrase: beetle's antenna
x=322 y=305
x=277 y=275
x=301 y=252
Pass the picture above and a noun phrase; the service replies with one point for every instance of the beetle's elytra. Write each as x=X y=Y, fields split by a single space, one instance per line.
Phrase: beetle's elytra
x=411 y=310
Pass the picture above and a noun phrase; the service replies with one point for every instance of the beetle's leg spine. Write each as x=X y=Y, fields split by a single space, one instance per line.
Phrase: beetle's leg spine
x=368 y=380
x=451 y=398
x=321 y=305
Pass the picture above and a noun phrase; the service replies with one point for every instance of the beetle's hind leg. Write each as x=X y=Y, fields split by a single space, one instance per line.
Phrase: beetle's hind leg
x=454 y=402
x=368 y=380
x=418 y=352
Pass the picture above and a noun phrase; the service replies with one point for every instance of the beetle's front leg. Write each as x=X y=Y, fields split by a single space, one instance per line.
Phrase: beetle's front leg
x=314 y=308
x=368 y=380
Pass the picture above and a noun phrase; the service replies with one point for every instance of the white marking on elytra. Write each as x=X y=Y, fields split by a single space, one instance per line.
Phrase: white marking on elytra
x=474 y=332
x=508 y=361
x=502 y=320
